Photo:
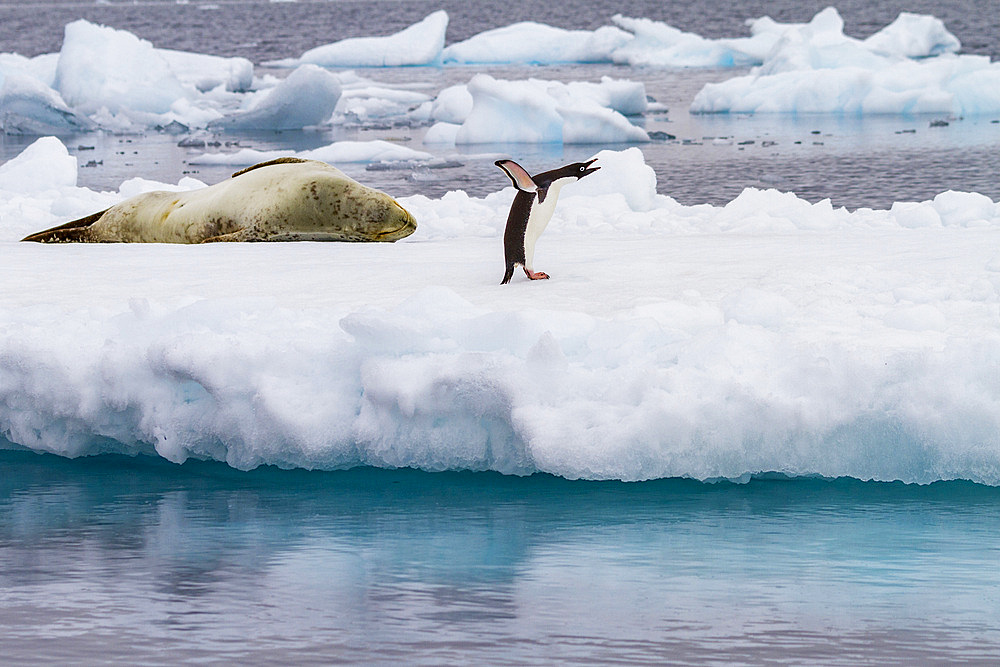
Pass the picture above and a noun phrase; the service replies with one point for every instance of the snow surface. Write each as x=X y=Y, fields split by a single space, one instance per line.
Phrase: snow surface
x=769 y=334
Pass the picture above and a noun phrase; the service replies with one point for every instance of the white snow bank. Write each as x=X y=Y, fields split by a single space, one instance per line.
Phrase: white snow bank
x=530 y=43
x=815 y=68
x=306 y=98
x=537 y=111
x=337 y=152
x=702 y=341
x=419 y=44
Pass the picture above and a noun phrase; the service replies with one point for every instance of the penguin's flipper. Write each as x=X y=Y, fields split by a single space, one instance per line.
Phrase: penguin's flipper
x=75 y=231
x=518 y=176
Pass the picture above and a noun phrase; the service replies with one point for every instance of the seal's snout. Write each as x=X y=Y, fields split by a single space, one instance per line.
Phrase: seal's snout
x=399 y=224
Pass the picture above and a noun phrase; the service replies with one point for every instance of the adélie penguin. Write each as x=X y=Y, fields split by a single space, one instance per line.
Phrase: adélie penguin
x=532 y=209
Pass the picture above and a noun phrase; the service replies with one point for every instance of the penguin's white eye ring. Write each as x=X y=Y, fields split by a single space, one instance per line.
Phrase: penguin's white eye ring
x=583 y=168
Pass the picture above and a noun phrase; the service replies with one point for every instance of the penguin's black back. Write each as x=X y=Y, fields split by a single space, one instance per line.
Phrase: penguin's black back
x=513 y=235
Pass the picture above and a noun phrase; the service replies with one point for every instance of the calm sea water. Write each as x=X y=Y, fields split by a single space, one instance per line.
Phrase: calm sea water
x=135 y=561
x=854 y=162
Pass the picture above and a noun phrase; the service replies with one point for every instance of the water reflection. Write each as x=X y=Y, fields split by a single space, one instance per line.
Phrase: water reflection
x=128 y=558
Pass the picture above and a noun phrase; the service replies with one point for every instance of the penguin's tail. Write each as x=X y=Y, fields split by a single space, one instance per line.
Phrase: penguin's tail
x=508 y=274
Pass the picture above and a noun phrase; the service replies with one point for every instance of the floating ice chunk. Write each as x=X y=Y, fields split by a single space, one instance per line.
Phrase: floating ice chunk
x=306 y=98
x=337 y=152
x=658 y=44
x=103 y=67
x=419 y=44
x=914 y=36
x=452 y=105
x=536 y=44
x=206 y=72
x=815 y=68
x=536 y=111
x=41 y=67
x=27 y=106
x=442 y=133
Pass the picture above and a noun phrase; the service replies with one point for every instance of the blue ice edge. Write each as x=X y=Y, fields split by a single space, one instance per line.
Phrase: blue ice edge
x=110 y=461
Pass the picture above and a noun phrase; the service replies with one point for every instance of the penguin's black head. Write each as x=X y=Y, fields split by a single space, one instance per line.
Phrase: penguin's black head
x=576 y=170
x=582 y=169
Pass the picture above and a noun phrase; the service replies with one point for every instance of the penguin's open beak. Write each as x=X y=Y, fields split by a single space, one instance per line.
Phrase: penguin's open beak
x=589 y=170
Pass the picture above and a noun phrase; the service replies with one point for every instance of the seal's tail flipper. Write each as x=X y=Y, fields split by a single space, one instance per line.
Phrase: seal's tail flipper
x=508 y=274
x=70 y=232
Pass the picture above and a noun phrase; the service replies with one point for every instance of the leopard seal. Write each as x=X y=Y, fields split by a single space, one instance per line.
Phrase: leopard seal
x=288 y=199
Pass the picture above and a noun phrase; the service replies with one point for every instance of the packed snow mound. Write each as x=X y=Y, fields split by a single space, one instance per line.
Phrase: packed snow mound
x=306 y=98
x=419 y=44
x=530 y=43
x=815 y=68
x=770 y=334
x=537 y=111
x=337 y=152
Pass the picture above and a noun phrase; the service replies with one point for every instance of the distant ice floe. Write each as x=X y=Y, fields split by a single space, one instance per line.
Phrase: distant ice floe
x=630 y=41
x=419 y=44
x=337 y=152
x=110 y=79
x=489 y=110
x=708 y=342
x=306 y=98
x=815 y=68
x=530 y=43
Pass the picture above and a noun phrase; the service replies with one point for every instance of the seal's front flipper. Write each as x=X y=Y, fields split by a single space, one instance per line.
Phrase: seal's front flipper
x=71 y=232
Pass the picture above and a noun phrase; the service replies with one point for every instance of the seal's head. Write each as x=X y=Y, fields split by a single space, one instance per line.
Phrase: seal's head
x=396 y=224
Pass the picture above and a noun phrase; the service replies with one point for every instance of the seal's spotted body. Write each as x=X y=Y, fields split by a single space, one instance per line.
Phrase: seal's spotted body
x=282 y=200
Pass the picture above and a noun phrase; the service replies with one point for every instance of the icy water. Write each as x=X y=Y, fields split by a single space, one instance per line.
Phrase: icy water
x=142 y=562
x=855 y=162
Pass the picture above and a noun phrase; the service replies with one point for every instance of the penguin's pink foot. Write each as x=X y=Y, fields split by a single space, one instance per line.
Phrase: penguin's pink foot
x=536 y=275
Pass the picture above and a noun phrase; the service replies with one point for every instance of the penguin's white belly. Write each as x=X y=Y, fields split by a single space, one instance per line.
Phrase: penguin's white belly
x=539 y=218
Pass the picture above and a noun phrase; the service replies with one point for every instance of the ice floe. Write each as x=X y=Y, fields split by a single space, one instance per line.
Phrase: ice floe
x=769 y=334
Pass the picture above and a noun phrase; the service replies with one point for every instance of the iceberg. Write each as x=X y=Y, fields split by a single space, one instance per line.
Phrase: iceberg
x=306 y=98
x=419 y=44
x=815 y=68
x=530 y=43
x=100 y=67
x=768 y=334
x=536 y=111
x=27 y=106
